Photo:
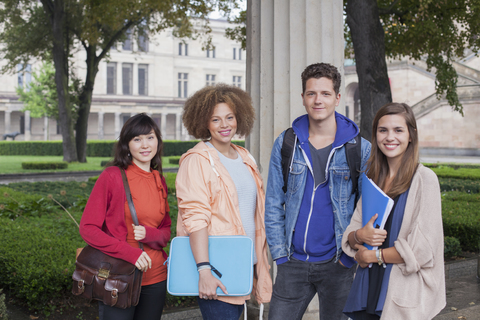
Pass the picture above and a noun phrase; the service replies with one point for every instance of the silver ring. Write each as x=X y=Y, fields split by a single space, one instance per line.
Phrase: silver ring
x=205 y=297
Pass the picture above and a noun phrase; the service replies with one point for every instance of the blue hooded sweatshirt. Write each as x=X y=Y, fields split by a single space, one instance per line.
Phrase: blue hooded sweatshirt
x=314 y=236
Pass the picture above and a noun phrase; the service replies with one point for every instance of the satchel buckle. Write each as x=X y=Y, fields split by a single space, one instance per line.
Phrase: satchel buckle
x=103 y=274
x=81 y=285
x=114 y=293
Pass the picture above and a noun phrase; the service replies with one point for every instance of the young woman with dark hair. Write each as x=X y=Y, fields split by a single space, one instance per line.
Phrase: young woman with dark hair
x=107 y=222
x=406 y=280
x=220 y=192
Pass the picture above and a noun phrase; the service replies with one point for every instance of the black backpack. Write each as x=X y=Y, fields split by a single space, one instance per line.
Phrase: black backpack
x=353 y=153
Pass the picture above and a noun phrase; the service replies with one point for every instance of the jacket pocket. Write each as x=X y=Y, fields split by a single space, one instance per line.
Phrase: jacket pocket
x=296 y=176
x=342 y=186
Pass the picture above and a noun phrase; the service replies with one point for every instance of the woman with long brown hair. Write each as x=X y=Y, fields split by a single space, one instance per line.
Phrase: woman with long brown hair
x=406 y=280
x=107 y=222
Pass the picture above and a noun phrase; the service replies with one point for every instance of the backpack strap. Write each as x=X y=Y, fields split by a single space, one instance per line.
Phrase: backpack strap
x=354 y=160
x=287 y=154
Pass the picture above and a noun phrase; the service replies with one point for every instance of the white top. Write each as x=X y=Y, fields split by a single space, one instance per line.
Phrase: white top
x=246 y=192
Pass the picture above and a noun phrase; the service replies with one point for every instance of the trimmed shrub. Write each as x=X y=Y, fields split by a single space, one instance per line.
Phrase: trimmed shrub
x=463 y=185
x=452 y=247
x=3 y=307
x=100 y=148
x=460 y=173
x=461 y=219
x=452 y=165
x=14 y=204
x=33 y=148
x=174 y=160
x=95 y=148
x=40 y=272
x=44 y=165
x=104 y=163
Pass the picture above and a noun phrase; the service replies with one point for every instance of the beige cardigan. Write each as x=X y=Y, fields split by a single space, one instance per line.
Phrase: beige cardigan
x=417 y=287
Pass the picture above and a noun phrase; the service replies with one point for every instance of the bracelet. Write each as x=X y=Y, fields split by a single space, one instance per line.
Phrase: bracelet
x=207 y=265
x=379 y=256
x=383 y=260
x=355 y=237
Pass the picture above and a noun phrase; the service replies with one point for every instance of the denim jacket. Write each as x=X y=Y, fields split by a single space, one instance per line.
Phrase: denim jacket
x=282 y=209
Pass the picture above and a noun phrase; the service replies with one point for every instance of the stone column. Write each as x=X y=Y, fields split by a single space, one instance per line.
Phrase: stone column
x=118 y=126
x=178 y=126
x=28 y=126
x=8 y=121
x=101 y=131
x=163 y=124
x=283 y=37
x=45 y=128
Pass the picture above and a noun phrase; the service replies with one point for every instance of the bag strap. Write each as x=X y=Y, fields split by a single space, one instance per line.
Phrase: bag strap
x=354 y=160
x=130 y=201
x=287 y=155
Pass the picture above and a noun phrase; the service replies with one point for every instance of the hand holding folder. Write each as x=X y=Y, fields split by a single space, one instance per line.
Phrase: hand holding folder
x=374 y=201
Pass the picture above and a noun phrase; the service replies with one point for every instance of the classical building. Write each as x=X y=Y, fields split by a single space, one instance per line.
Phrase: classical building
x=158 y=77
x=156 y=80
x=442 y=131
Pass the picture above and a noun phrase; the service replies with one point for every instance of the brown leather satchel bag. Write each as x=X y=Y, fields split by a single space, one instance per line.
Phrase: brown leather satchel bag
x=99 y=276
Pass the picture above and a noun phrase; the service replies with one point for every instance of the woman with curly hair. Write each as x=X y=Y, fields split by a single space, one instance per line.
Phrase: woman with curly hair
x=220 y=192
x=406 y=279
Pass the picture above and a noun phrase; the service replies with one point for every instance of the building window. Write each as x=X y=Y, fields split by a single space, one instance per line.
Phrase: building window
x=143 y=79
x=24 y=75
x=237 y=81
x=180 y=49
x=143 y=40
x=234 y=53
x=125 y=119
x=239 y=53
x=127 y=78
x=182 y=85
x=127 y=43
x=112 y=78
x=210 y=79
x=211 y=53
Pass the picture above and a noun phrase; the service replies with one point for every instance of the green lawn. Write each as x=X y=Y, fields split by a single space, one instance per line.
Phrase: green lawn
x=13 y=164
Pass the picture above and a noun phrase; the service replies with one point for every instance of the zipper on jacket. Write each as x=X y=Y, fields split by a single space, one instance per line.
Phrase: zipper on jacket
x=314 y=190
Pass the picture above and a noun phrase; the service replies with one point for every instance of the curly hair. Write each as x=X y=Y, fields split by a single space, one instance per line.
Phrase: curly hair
x=137 y=125
x=322 y=70
x=199 y=108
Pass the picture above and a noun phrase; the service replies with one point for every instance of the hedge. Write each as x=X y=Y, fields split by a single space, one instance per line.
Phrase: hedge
x=464 y=185
x=461 y=218
x=45 y=165
x=95 y=148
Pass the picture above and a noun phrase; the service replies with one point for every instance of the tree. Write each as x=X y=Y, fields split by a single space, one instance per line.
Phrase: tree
x=437 y=31
x=40 y=95
x=54 y=28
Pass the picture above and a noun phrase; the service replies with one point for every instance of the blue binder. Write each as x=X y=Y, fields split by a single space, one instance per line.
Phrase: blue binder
x=374 y=200
x=232 y=256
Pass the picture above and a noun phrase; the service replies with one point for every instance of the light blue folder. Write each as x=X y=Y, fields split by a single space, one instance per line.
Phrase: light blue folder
x=374 y=200
x=232 y=256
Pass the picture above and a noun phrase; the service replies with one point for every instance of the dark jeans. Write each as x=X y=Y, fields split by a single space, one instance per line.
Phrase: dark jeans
x=149 y=307
x=219 y=310
x=297 y=283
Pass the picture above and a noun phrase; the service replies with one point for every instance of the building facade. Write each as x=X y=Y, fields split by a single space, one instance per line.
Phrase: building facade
x=155 y=78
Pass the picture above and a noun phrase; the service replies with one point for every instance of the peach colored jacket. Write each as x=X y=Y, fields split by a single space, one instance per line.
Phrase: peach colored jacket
x=207 y=198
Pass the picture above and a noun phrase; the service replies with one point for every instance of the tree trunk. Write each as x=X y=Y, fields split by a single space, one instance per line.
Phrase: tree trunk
x=60 y=59
x=369 y=47
x=81 y=127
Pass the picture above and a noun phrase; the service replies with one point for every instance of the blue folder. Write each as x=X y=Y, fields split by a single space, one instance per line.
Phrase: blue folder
x=232 y=256
x=374 y=200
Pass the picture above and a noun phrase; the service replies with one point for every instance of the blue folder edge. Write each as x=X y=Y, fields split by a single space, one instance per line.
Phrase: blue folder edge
x=231 y=255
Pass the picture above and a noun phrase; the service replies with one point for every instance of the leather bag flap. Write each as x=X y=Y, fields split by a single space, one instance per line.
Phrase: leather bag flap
x=84 y=275
x=93 y=259
x=111 y=284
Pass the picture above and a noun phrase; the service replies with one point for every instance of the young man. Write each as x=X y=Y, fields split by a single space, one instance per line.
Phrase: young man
x=305 y=224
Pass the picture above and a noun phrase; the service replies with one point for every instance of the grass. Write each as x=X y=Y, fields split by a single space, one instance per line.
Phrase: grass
x=13 y=164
